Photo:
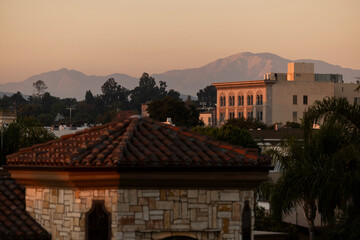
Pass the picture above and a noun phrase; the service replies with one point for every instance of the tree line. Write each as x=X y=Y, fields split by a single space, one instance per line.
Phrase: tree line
x=107 y=105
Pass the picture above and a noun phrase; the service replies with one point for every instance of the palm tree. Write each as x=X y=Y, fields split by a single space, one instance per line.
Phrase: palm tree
x=322 y=172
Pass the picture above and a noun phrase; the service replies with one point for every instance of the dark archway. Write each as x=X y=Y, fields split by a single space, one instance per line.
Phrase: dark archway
x=246 y=221
x=98 y=222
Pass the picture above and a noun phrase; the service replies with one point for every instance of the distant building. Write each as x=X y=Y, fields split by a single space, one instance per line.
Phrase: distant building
x=280 y=97
x=208 y=116
x=7 y=117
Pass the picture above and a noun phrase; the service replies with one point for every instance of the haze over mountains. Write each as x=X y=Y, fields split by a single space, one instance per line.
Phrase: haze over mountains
x=239 y=67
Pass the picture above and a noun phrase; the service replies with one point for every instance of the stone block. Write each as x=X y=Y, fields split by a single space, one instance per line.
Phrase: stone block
x=59 y=208
x=199 y=226
x=152 y=203
x=146 y=212
x=30 y=192
x=143 y=201
x=177 y=210
x=214 y=195
x=133 y=196
x=224 y=214
x=167 y=220
x=193 y=193
x=163 y=194
x=224 y=207
x=127 y=220
x=184 y=211
x=154 y=224
x=156 y=212
x=229 y=196
x=225 y=225
x=236 y=211
x=177 y=193
x=135 y=208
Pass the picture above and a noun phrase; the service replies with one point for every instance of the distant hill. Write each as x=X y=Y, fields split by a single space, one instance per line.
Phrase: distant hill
x=243 y=66
x=69 y=83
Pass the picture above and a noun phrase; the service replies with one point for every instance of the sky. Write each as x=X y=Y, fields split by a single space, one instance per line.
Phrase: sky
x=135 y=36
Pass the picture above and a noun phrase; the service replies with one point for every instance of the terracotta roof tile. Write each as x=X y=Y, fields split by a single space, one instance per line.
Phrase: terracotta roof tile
x=137 y=142
x=15 y=222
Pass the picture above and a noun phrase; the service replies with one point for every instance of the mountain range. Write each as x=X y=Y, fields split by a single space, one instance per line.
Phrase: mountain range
x=239 y=67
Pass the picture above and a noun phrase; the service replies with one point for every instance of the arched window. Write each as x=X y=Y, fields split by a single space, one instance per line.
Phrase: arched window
x=98 y=222
x=221 y=102
x=248 y=100
x=251 y=100
x=246 y=221
x=241 y=100
x=257 y=100
x=231 y=101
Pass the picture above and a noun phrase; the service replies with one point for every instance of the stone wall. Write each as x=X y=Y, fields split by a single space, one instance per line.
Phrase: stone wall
x=142 y=214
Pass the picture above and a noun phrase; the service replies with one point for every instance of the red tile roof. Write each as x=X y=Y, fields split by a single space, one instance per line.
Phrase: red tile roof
x=137 y=142
x=15 y=222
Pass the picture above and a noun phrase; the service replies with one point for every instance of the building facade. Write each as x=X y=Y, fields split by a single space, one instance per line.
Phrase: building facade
x=139 y=180
x=280 y=97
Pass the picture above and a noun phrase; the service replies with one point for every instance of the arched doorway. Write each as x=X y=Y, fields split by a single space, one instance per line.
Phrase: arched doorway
x=98 y=222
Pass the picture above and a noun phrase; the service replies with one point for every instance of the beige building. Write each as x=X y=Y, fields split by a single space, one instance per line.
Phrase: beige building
x=280 y=97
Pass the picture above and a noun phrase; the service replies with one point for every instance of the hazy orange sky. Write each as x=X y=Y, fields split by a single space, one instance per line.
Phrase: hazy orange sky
x=136 y=36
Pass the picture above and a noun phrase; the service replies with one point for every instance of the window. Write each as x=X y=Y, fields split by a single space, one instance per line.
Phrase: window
x=294 y=99
x=231 y=115
x=222 y=101
x=241 y=114
x=250 y=100
x=294 y=116
x=98 y=222
x=231 y=101
x=305 y=99
x=297 y=75
x=259 y=116
x=222 y=117
x=250 y=115
x=241 y=100
x=259 y=99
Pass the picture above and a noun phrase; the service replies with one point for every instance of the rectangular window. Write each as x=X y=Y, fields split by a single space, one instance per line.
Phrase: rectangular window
x=305 y=99
x=356 y=100
x=294 y=116
x=241 y=114
x=250 y=115
x=294 y=99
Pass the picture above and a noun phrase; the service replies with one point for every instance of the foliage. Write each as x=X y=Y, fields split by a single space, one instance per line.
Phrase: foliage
x=231 y=134
x=147 y=90
x=207 y=95
x=245 y=123
x=40 y=88
x=114 y=94
x=292 y=125
x=265 y=222
x=24 y=133
x=323 y=171
x=180 y=113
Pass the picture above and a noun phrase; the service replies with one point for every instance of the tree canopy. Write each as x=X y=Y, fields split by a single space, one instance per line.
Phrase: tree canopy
x=323 y=172
x=180 y=113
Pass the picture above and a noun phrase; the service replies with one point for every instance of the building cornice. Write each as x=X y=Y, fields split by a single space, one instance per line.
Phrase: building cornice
x=250 y=84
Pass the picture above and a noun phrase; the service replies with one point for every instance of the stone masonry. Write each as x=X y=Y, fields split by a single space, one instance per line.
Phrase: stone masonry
x=142 y=214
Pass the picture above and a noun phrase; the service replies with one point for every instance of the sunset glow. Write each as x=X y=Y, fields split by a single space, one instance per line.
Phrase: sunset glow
x=103 y=37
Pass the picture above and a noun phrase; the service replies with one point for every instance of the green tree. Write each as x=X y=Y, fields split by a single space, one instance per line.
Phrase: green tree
x=245 y=123
x=323 y=172
x=113 y=94
x=89 y=97
x=147 y=90
x=25 y=132
x=207 y=95
x=180 y=113
x=231 y=134
x=40 y=88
